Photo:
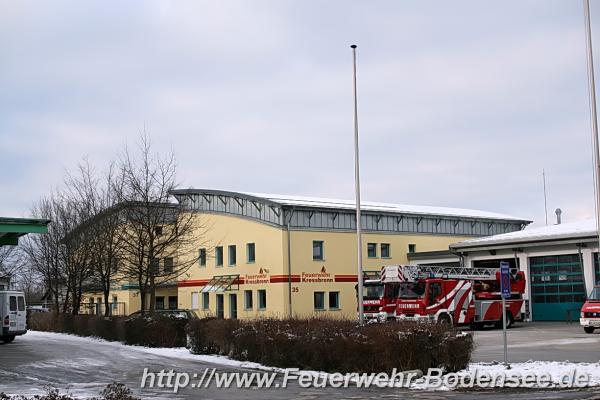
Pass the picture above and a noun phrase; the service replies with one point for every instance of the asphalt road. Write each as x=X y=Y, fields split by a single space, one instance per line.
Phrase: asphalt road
x=539 y=341
x=83 y=367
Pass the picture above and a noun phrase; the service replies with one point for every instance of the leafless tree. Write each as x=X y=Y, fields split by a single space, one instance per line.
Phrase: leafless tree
x=160 y=239
x=103 y=196
x=44 y=252
x=11 y=261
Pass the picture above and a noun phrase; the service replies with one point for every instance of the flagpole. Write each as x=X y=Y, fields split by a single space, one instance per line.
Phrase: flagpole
x=593 y=114
x=357 y=187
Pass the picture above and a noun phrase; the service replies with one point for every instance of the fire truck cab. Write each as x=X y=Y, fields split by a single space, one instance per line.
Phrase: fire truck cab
x=590 y=312
x=454 y=295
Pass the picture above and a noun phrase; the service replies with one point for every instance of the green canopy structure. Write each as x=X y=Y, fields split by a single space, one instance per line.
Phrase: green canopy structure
x=13 y=228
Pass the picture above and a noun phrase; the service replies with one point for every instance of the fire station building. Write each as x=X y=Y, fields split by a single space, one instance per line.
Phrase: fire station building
x=560 y=264
x=272 y=255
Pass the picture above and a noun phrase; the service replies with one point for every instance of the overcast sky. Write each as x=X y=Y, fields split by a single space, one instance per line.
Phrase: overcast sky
x=461 y=104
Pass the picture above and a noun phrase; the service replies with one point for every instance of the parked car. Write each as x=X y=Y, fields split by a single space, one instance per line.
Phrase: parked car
x=590 y=312
x=175 y=314
x=13 y=315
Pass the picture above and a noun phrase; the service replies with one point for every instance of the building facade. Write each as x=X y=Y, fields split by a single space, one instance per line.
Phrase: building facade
x=280 y=256
x=559 y=261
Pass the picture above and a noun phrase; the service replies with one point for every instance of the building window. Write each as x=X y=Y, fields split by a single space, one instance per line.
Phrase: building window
x=205 y=300
x=412 y=248
x=160 y=303
x=385 y=250
x=232 y=255
x=219 y=256
x=319 y=300
x=202 y=257
x=168 y=267
x=195 y=301
x=154 y=266
x=262 y=299
x=248 y=305
x=372 y=250
x=173 y=303
x=318 y=250
x=334 y=300
x=251 y=252
x=158 y=231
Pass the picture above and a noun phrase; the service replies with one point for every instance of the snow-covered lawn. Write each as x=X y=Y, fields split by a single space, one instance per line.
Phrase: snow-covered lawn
x=535 y=374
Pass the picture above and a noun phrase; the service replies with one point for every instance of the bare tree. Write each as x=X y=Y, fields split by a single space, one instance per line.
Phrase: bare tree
x=44 y=252
x=160 y=239
x=11 y=262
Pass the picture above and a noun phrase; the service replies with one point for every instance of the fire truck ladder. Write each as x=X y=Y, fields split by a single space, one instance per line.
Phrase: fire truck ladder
x=414 y=272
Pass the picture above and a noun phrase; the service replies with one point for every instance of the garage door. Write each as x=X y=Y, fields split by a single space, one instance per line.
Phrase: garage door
x=557 y=287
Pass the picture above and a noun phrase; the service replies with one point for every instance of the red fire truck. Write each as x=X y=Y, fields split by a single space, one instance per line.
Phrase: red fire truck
x=453 y=295
x=590 y=311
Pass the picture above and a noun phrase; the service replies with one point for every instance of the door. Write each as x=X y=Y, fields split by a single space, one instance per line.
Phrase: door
x=557 y=287
x=12 y=314
x=21 y=314
x=220 y=311
x=233 y=306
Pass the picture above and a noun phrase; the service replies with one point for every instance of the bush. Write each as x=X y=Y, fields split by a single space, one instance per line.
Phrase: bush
x=333 y=345
x=114 y=391
x=153 y=332
x=156 y=331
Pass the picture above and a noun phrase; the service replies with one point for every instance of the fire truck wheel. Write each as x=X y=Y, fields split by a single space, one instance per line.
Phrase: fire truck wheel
x=588 y=329
x=444 y=319
x=509 y=321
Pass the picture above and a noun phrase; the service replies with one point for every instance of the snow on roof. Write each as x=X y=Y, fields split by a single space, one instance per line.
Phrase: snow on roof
x=302 y=201
x=569 y=230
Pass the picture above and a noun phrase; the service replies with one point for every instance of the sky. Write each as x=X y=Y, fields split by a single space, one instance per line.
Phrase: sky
x=461 y=104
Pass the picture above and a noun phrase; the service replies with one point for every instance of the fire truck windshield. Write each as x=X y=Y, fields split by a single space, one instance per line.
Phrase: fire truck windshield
x=373 y=291
x=411 y=290
x=595 y=295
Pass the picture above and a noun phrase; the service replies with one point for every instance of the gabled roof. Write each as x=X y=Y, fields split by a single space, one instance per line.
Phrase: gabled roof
x=573 y=230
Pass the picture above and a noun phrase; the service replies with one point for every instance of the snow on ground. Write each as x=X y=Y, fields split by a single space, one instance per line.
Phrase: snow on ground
x=535 y=374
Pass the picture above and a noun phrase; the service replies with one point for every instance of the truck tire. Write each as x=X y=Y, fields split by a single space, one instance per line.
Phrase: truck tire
x=510 y=320
x=588 y=329
x=8 y=339
x=444 y=319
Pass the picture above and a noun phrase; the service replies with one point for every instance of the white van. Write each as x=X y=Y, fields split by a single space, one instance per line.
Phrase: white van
x=13 y=315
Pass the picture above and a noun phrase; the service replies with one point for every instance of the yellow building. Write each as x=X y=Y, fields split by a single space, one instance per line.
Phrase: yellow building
x=277 y=256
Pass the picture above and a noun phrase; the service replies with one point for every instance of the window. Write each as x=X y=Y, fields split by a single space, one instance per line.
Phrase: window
x=195 y=299
x=219 y=256
x=251 y=252
x=172 y=302
x=158 y=230
x=334 y=300
x=262 y=299
x=205 y=300
x=372 y=250
x=319 y=300
x=154 y=266
x=232 y=255
x=248 y=300
x=385 y=250
x=168 y=267
x=202 y=257
x=412 y=248
x=160 y=303
x=318 y=250
x=13 y=303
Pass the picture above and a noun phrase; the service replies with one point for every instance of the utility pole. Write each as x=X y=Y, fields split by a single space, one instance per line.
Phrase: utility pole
x=545 y=197
x=593 y=115
x=357 y=187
